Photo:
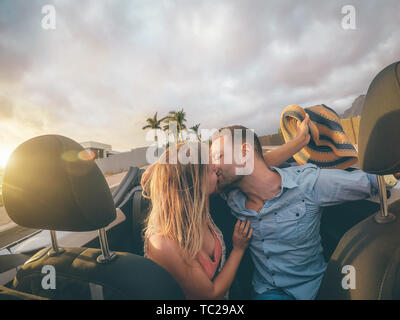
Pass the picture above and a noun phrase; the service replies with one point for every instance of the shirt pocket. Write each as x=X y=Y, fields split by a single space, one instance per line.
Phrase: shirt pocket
x=290 y=224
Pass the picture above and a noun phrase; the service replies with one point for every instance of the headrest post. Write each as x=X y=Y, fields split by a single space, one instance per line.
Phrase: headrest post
x=383 y=216
x=106 y=255
x=55 y=249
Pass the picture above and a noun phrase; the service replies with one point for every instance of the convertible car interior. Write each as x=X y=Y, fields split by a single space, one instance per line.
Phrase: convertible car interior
x=49 y=184
x=76 y=199
x=372 y=247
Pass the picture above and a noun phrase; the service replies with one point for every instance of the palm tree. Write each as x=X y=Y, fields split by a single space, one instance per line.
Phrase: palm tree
x=154 y=123
x=179 y=118
x=195 y=129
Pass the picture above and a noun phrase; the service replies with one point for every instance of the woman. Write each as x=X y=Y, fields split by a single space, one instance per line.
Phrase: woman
x=180 y=234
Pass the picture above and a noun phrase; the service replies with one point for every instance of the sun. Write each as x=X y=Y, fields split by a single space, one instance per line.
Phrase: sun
x=4 y=155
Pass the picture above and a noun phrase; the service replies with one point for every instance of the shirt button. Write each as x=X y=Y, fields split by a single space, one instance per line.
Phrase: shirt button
x=297 y=214
x=267 y=257
x=275 y=213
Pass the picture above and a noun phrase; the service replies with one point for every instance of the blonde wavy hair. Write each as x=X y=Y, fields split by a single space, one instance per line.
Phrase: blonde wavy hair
x=179 y=201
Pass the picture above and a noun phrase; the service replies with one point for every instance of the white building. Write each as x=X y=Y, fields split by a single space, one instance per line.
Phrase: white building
x=101 y=150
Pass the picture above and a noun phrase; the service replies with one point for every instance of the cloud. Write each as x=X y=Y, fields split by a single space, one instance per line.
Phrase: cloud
x=111 y=64
x=6 y=108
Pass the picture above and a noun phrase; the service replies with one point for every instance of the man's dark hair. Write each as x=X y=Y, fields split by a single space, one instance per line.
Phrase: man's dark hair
x=256 y=145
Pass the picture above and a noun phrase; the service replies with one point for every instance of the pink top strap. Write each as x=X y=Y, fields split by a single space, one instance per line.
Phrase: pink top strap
x=210 y=266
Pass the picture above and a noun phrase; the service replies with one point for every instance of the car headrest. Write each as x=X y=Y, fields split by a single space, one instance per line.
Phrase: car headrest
x=379 y=134
x=51 y=182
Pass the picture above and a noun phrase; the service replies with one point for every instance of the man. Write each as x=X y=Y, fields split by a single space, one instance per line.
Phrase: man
x=284 y=207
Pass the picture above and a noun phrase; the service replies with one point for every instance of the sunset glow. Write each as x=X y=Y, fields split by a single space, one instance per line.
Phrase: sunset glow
x=4 y=155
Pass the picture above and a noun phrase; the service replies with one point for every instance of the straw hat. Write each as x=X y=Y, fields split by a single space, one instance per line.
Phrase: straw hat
x=329 y=147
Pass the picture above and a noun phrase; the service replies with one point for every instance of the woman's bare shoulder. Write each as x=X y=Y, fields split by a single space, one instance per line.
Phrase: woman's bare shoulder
x=162 y=246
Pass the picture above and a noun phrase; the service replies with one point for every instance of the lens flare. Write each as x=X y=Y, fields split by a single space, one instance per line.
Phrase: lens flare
x=70 y=156
x=74 y=155
x=86 y=155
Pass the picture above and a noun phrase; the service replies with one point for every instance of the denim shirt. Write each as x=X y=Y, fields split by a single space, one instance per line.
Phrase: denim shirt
x=286 y=244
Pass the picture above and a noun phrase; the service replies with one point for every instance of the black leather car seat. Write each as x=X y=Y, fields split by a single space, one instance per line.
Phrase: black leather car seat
x=51 y=182
x=128 y=197
x=369 y=253
x=10 y=294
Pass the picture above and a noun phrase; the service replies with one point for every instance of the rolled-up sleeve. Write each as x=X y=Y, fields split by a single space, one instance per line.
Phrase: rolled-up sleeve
x=334 y=186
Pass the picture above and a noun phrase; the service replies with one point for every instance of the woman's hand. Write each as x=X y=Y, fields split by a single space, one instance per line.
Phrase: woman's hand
x=303 y=133
x=242 y=235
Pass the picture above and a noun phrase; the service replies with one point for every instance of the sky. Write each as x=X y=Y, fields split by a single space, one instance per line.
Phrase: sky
x=110 y=64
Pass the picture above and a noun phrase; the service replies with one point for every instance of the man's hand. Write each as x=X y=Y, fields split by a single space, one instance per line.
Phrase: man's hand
x=303 y=133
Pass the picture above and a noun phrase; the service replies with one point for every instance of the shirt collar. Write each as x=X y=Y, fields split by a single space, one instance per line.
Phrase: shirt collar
x=236 y=198
x=287 y=180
